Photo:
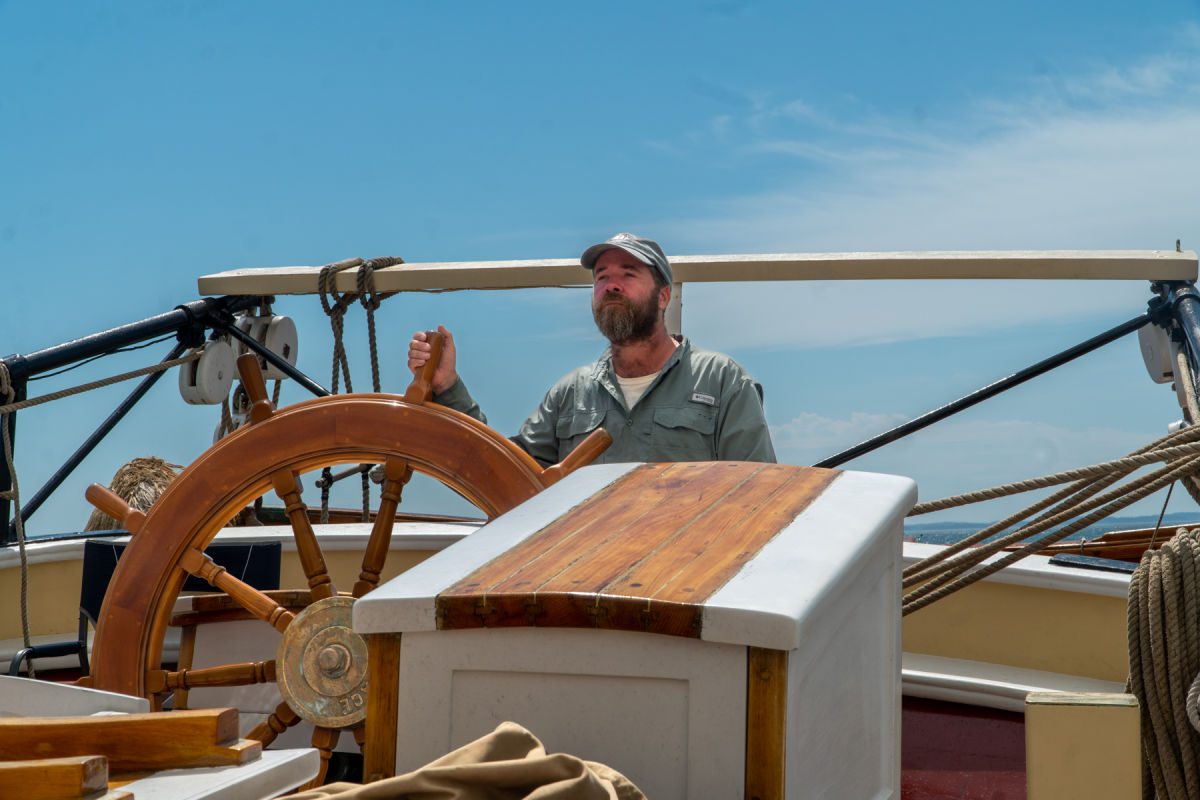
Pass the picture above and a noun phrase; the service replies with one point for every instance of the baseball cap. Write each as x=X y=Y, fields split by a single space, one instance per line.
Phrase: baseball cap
x=645 y=250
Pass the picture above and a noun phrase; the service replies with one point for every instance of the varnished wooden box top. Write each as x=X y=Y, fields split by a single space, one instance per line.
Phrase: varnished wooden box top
x=642 y=554
x=734 y=552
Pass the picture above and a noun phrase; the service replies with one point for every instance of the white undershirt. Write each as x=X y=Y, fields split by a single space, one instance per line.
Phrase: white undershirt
x=634 y=388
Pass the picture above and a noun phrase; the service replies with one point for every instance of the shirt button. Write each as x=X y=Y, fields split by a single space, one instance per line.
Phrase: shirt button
x=628 y=423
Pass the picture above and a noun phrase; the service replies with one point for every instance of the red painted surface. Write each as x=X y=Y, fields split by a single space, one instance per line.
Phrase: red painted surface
x=955 y=752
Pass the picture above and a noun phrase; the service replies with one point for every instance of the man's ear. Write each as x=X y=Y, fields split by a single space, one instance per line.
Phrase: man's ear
x=664 y=297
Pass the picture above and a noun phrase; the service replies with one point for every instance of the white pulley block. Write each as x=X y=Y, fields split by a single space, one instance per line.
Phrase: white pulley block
x=207 y=380
x=1156 y=353
x=277 y=334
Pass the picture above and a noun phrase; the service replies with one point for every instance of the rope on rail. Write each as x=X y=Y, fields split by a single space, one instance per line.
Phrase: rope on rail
x=14 y=495
x=1072 y=496
x=1185 y=379
x=10 y=406
x=1164 y=664
x=1139 y=459
x=974 y=569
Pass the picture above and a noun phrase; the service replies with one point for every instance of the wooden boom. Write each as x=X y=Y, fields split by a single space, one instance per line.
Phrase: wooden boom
x=997 y=265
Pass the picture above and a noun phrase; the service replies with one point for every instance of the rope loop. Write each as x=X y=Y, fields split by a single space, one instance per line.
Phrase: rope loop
x=367 y=294
x=334 y=305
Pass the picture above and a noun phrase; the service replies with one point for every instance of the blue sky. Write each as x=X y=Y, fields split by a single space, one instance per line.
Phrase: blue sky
x=145 y=144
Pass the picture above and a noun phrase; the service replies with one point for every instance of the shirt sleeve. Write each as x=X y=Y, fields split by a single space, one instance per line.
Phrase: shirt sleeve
x=537 y=435
x=743 y=433
x=458 y=398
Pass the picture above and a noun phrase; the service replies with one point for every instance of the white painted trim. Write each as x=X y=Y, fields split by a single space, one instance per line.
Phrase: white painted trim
x=21 y=697
x=272 y=774
x=978 y=683
x=776 y=599
x=531 y=273
x=1039 y=573
x=333 y=538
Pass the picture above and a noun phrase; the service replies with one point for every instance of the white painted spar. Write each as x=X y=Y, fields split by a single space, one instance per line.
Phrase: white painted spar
x=410 y=605
x=530 y=273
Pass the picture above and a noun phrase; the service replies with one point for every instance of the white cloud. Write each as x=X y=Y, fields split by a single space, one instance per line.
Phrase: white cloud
x=1105 y=160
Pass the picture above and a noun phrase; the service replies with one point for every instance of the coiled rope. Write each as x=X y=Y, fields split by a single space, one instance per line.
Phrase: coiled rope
x=1164 y=661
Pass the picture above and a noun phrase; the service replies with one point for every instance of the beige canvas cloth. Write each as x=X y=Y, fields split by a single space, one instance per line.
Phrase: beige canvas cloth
x=507 y=764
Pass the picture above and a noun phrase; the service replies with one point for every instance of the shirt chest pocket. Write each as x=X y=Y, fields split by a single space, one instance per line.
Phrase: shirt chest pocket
x=684 y=433
x=572 y=429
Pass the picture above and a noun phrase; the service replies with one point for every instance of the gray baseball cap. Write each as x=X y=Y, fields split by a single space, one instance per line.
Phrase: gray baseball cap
x=645 y=250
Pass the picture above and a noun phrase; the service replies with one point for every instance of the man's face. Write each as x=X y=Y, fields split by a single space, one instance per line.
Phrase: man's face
x=626 y=304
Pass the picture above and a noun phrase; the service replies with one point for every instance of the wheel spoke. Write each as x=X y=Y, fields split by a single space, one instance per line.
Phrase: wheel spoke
x=280 y=720
x=311 y=559
x=249 y=598
x=225 y=675
x=324 y=739
x=360 y=735
x=396 y=473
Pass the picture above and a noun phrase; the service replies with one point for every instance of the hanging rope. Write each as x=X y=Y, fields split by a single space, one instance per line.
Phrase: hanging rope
x=335 y=304
x=371 y=300
x=13 y=494
x=1164 y=664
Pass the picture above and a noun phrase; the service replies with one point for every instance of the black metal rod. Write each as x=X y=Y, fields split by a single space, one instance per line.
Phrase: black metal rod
x=86 y=448
x=184 y=316
x=981 y=394
x=1186 y=305
x=287 y=369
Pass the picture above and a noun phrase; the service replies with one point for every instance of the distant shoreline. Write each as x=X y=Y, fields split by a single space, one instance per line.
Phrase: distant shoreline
x=947 y=532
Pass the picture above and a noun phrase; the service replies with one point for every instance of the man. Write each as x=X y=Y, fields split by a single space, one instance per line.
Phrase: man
x=659 y=397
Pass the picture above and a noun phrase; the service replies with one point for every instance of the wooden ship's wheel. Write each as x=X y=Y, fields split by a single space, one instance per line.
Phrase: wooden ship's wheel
x=320 y=665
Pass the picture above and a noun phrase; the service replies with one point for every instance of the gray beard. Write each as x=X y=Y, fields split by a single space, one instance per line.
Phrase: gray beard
x=624 y=322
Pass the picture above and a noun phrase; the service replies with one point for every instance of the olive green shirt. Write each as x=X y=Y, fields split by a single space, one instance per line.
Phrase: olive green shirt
x=701 y=407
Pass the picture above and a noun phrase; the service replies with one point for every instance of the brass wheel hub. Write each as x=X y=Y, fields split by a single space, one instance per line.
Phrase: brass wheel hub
x=321 y=665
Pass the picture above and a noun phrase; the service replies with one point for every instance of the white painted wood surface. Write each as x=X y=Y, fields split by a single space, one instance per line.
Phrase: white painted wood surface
x=978 y=683
x=666 y=712
x=274 y=773
x=23 y=697
x=1013 y=264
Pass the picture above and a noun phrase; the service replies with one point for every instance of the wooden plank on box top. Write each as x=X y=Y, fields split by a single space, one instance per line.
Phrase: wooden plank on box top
x=643 y=554
x=133 y=742
x=54 y=778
